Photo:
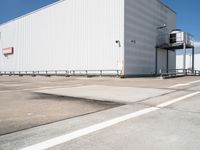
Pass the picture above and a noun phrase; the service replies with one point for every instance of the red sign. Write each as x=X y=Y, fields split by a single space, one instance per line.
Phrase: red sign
x=8 y=51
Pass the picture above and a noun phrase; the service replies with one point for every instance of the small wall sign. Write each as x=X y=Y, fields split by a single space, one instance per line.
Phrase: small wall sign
x=8 y=51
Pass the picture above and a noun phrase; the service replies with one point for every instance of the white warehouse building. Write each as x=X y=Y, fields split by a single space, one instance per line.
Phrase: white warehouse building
x=106 y=36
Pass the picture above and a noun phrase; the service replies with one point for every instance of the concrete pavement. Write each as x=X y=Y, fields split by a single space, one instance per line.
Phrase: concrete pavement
x=175 y=126
x=108 y=93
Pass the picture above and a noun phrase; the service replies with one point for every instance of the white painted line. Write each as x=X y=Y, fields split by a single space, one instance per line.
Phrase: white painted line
x=88 y=130
x=29 y=89
x=194 y=82
x=177 y=100
x=184 y=84
x=12 y=84
x=42 y=88
x=79 y=133
x=179 y=85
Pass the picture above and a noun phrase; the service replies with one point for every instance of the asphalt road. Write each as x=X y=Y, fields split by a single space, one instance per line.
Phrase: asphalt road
x=169 y=120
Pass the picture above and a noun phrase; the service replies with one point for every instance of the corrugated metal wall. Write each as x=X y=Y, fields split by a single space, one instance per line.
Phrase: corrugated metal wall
x=141 y=20
x=72 y=34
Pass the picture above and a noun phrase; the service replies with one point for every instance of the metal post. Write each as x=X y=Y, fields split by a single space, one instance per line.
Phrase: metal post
x=86 y=72
x=156 y=61
x=101 y=73
x=184 y=56
x=66 y=73
x=167 y=61
x=117 y=73
x=193 y=59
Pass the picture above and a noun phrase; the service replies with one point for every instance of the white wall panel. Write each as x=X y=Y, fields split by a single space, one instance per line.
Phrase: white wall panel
x=141 y=20
x=172 y=60
x=162 y=60
x=179 y=61
x=72 y=34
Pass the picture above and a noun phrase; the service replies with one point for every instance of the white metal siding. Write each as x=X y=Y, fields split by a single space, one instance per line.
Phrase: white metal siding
x=179 y=61
x=72 y=34
x=172 y=60
x=141 y=20
x=162 y=60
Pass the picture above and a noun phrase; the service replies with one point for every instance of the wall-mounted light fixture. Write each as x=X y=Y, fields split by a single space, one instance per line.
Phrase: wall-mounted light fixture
x=118 y=42
x=162 y=27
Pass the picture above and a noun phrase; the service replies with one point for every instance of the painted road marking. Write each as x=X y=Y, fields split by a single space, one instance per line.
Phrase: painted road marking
x=85 y=131
x=41 y=88
x=177 y=100
x=184 y=84
x=178 y=85
x=12 y=85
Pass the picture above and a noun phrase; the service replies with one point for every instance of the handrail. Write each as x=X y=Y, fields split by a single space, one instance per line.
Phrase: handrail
x=64 y=73
x=167 y=73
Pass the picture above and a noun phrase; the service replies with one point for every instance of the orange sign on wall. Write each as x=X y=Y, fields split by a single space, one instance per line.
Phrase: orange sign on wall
x=8 y=51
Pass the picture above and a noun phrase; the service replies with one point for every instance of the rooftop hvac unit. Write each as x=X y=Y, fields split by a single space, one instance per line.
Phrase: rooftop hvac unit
x=177 y=36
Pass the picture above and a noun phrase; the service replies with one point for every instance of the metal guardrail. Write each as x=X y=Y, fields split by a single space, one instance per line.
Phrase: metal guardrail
x=170 y=73
x=66 y=73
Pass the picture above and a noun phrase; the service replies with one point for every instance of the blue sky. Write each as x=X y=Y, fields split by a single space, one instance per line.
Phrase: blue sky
x=10 y=9
x=188 y=12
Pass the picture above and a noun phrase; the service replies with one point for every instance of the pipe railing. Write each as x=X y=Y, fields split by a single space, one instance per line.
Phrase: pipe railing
x=63 y=73
x=167 y=73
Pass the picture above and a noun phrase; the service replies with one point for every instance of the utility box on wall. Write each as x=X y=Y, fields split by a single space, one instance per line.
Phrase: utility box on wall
x=8 y=51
